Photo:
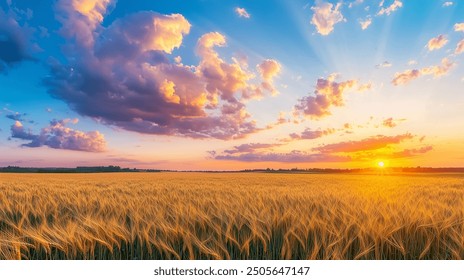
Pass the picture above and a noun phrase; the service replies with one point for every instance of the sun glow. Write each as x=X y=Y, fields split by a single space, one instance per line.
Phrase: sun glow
x=381 y=164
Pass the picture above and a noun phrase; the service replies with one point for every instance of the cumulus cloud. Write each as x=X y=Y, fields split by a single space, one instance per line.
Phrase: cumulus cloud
x=371 y=143
x=447 y=4
x=437 y=43
x=325 y=16
x=58 y=136
x=81 y=18
x=438 y=70
x=269 y=69
x=327 y=94
x=390 y=9
x=459 y=47
x=402 y=78
x=412 y=152
x=459 y=27
x=15 y=41
x=365 y=23
x=312 y=134
x=405 y=77
x=124 y=77
x=241 y=12
x=222 y=79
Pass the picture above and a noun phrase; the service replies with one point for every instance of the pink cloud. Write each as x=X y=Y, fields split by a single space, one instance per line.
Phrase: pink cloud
x=405 y=77
x=81 y=18
x=312 y=134
x=371 y=143
x=328 y=94
x=58 y=136
x=390 y=122
x=242 y=12
x=294 y=156
x=248 y=148
x=459 y=47
x=125 y=78
x=269 y=68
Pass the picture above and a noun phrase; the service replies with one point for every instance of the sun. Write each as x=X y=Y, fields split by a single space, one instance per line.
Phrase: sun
x=381 y=164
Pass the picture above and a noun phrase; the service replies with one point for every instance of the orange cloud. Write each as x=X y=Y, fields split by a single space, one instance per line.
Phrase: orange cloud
x=167 y=33
x=402 y=78
x=326 y=16
x=371 y=143
x=459 y=27
x=390 y=9
x=268 y=69
x=412 y=152
x=241 y=12
x=437 y=43
x=405 y=77
x=438 y=70
x=391 y=123
x=221 y=78
x=459 y=47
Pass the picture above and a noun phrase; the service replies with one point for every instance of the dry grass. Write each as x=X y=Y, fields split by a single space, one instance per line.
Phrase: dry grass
x=231 y=216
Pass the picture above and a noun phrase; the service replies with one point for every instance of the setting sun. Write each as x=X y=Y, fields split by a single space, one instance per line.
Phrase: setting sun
x=381 y=164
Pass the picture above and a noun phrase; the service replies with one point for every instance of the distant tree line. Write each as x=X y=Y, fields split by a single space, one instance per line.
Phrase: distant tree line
x=79 y=169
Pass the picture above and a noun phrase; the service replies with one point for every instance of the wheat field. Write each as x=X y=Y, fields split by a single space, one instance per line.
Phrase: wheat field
x=231 y=216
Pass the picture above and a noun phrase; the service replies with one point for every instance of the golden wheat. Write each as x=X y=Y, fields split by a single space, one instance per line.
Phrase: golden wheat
x=231 y=216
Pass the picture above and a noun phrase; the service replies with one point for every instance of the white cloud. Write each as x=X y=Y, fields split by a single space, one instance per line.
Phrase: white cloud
x=355 y=3
x=365 y=23
x=384 y=64
x=326 y=16
x=390 y=9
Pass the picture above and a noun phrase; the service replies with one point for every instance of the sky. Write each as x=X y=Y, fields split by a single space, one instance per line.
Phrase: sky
x=231 y=85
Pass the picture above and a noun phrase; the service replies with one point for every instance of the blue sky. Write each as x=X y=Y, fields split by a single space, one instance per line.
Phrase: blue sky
x=231 y=84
